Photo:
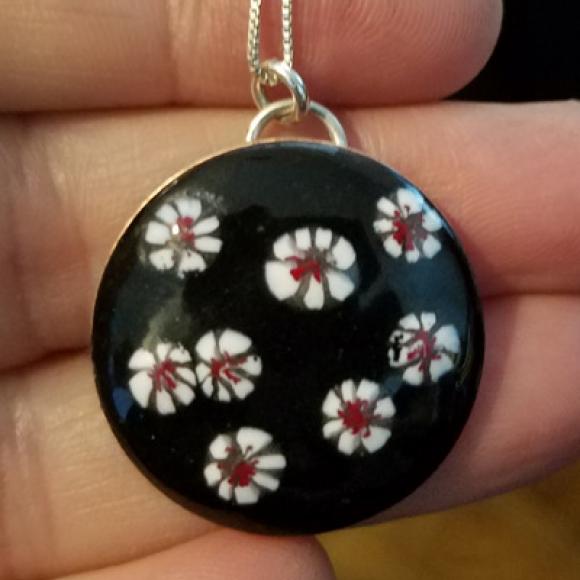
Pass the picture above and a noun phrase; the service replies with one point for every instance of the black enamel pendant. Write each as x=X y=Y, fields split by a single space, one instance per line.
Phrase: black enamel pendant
x=287 y=338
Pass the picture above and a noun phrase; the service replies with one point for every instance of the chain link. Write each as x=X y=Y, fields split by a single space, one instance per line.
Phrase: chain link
x=273 y=72
x=254 y=62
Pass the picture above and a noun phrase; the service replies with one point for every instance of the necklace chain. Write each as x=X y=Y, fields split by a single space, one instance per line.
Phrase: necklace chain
x=254 y=62
x=272 y=72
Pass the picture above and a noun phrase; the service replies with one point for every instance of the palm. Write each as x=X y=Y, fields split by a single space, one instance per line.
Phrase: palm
x=506 y=176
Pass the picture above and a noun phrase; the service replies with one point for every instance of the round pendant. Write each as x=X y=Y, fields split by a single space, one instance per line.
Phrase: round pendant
x=287 y=338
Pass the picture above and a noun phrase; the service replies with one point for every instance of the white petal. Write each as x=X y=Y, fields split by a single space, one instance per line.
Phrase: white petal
x=266 y=480
x=348 y=442
x=206 y=226
x=323 y=238
x=212 y=474
x=142 y=360
x=208 y=244
x=431 y=221
x=387 y=207
x=377 y=437
x=314 y=297
x=343 y=254
x=332 y=428
x=275 y=461
x=411 y=353
x=233 y=342
x=206 y=346
x=242 y=388
x=401 y=361
x=383 y=226
x=191 y=262
x=180 y=355
x=428 y=320
x=303 y=239
x=409 y=201
x=246 y=495
x=280 y=281
x=413 y=375
x=410 y=322
x=162 y=259
x=162 y=351
x=405 y=336
x=448 y=338
x=208 y=386
x=186 y=374
x=157 y=234
x=219 y=446
x=223 y=394
x=189 y=207
x=367 y=391
x=413 y=255
x=440 y=366
x=348 y=391
x=183 y=393
x=340 y=285
x=284 y=247
x=431 y=246
x=167 y=214
x=393 y=247
x=385 y=408
x=225 y=490
x=253 y=365
x=408 y=354
x=141 y=386
x=256 y=439
x=331 y=405
x=164 y=403
x=202 y=371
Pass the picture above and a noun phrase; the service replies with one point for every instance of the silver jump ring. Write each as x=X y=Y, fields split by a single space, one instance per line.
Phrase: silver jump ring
x=297 y=107
x=279 y=109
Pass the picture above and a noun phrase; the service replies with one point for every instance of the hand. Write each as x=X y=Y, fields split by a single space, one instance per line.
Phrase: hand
x=75 y=163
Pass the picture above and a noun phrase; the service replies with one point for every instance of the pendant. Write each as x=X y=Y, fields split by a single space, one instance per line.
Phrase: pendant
x=287 y=338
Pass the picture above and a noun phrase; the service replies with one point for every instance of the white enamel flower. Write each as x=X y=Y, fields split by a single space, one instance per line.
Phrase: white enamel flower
x=243 y=466
x=425 y=350
x=407 y=226
x=227 y=366
x=312 y=267
x=163 y=378
x=357 y=418
x=179 y=236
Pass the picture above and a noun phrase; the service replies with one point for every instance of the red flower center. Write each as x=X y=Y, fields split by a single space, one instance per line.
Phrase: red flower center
x=357 y=416
x=185 y=229
x=304 y=267
x=242 y=473
x=425 y=350
x=409 y=230
x=163 y=375
x=226 y=366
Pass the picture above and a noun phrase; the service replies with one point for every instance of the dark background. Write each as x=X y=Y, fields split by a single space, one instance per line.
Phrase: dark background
x=537 y=56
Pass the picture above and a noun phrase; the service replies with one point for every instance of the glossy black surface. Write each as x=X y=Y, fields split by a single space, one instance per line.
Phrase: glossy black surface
x=260 y=193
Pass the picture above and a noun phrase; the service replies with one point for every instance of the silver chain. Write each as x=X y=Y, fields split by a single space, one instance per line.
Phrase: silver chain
x=254 y=62
x=271 y=72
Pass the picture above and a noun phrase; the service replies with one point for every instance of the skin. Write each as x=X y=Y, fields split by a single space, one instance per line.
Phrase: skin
x=90 y=127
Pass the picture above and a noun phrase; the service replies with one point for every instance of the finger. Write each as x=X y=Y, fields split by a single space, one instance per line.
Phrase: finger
x=226 y=554
x=72 y=500
x=120 y=53
x=507 y=177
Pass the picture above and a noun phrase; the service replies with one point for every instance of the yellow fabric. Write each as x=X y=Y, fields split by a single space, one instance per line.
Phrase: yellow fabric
x=530 y=534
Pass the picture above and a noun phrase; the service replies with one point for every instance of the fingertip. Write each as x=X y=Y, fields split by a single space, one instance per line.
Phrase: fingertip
x=254 y=557
x=401 y=51
x=228 y=554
